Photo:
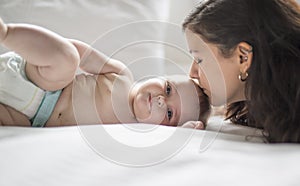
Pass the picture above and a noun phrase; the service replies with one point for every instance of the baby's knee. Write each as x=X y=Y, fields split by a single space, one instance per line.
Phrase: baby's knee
x=5 y=117
x=71 y=57
x=12 y=117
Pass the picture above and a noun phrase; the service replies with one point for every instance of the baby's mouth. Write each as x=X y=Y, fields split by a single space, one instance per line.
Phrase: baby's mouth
x=149 y=102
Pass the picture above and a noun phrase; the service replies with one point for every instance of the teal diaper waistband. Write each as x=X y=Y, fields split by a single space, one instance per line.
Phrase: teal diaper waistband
x=45 y=109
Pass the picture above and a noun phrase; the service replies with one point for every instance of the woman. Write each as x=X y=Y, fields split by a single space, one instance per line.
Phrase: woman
x=256 y=44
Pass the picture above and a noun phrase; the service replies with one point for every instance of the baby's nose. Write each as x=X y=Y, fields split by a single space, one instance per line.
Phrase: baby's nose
x=161 y=101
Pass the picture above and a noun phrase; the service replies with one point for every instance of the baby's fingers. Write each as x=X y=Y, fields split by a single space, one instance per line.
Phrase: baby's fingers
x=194 y=125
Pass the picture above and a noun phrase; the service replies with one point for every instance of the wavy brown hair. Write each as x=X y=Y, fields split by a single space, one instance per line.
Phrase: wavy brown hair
x=272 y=28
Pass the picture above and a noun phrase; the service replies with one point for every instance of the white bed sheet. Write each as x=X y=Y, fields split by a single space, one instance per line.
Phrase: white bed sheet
x=63 y=156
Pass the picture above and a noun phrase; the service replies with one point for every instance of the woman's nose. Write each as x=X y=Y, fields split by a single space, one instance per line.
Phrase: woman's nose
x=194 y=70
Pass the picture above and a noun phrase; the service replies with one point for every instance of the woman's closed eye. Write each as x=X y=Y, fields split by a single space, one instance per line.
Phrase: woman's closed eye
x=195 y=53
x=198 y=60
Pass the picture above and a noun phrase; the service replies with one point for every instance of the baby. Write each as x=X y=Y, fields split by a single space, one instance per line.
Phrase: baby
x=39 y=86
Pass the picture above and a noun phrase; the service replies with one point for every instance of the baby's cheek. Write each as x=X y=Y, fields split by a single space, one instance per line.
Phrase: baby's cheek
x=157 y=116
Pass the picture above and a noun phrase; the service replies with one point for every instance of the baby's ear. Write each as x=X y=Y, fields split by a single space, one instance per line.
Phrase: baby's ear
x=194 y=125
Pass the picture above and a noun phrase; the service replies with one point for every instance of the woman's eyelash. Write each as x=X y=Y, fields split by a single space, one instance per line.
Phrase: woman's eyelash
x=198 y=61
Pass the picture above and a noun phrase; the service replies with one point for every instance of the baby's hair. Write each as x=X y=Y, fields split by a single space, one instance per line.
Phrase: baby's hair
x=205 y=108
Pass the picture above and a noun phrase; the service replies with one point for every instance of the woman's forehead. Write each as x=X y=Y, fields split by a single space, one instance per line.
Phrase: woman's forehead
x=194 y=40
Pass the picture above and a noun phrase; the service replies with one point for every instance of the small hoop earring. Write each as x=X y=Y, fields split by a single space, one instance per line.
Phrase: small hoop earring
x=243 y=77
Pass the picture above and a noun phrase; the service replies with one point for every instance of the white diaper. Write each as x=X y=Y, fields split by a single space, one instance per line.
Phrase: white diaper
x=15 y=89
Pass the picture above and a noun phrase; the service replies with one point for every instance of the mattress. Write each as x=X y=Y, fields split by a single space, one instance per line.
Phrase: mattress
x=144 y=154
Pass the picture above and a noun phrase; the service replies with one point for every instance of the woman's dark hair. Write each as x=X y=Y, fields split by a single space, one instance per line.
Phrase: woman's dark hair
x=272 y=28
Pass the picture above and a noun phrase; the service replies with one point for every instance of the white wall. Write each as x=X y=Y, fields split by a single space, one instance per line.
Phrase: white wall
x=178 y=52
x=122 y=29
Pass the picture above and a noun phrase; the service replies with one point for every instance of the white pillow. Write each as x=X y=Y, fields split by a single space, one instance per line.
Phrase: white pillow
x=126 y=30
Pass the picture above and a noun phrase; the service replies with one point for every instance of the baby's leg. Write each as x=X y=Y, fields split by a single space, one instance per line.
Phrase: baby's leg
x=11 y=117
x=51 y=59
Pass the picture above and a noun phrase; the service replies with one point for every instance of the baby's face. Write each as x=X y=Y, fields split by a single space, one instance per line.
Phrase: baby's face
x=168 y=101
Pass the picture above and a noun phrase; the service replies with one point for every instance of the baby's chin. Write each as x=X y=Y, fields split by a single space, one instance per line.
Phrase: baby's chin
x=140 y=114
x=150 y=120
x=146 y=120
x=144 y=115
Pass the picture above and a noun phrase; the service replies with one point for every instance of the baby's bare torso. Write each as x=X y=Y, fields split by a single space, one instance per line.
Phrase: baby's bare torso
x=88 y=99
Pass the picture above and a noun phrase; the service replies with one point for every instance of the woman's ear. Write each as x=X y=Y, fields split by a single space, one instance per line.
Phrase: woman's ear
x=245 y=55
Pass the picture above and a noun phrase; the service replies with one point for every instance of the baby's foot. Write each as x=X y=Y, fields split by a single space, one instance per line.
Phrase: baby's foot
x=3 y=30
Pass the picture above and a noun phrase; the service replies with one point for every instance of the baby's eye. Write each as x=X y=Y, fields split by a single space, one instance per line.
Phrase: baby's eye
x=169 y=114
x=168 y=89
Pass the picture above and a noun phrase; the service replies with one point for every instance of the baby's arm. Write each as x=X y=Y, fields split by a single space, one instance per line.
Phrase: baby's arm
x=95 y=62
x=51 y=59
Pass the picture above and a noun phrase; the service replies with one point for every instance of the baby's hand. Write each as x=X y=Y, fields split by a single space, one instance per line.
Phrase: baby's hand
x=194 y=125
x=3 y=30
